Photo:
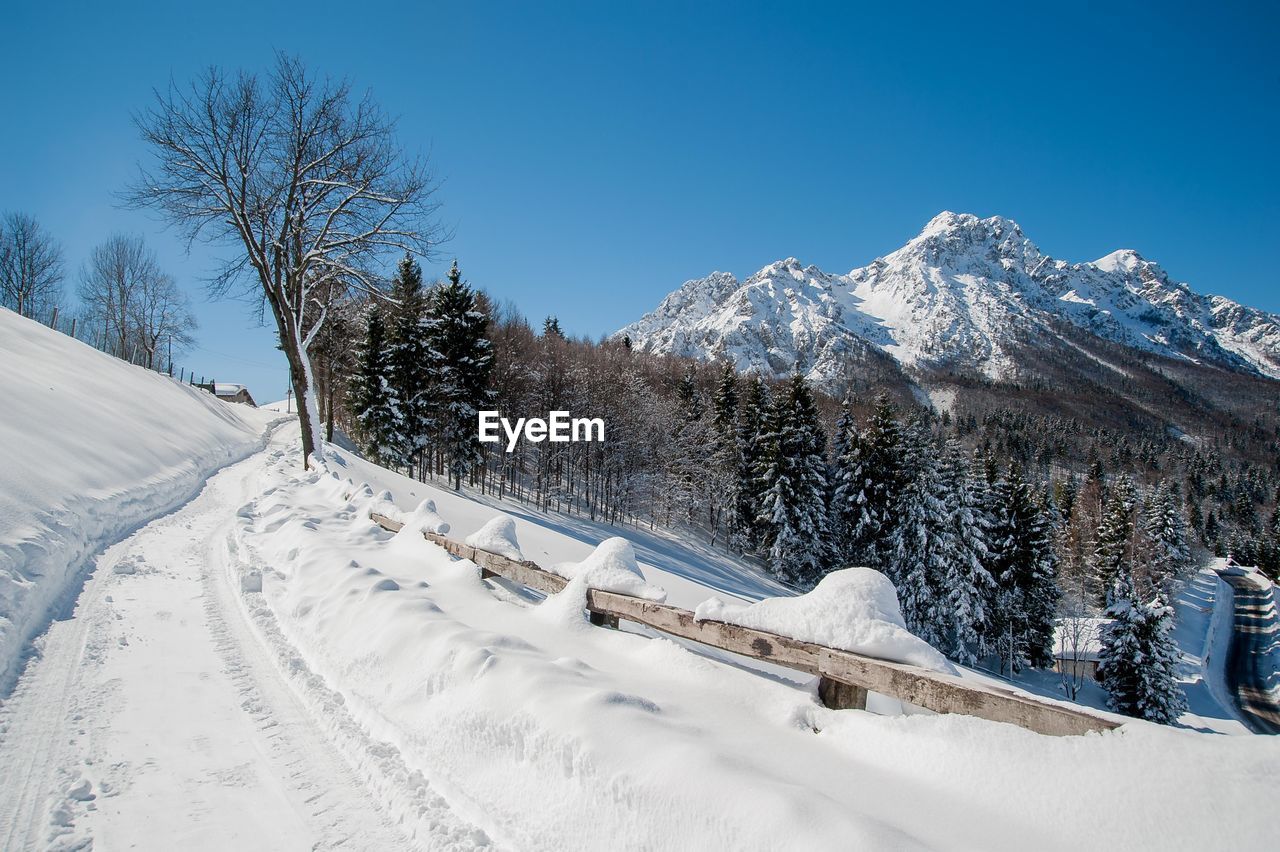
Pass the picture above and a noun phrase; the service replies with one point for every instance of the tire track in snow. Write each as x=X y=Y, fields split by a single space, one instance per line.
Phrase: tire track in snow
x=420 y=810
x=146 y=720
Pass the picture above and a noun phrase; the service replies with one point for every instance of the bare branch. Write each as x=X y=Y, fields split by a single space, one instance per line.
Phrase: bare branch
x=303 y=182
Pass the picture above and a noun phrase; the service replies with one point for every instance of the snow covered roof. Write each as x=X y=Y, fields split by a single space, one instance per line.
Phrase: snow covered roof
x=227 y=388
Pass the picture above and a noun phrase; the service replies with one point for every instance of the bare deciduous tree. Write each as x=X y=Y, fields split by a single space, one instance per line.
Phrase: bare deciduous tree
x=137 y=306
x=302 y=178
x=109 y=283
x=162 y=321
x=30 y=266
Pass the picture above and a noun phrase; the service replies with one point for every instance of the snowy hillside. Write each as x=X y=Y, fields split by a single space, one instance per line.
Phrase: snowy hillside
x=966 y=294
x=89 y=448
x=252 y=663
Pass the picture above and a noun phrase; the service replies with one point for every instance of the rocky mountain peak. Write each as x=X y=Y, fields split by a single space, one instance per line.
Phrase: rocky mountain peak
x=966 y=294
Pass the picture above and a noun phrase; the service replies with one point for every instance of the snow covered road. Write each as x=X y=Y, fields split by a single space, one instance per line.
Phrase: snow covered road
x=1252 y=665
x=151 y=717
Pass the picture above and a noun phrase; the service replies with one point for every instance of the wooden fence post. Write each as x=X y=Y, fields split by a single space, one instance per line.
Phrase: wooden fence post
x=603 y=619
x=841 y=696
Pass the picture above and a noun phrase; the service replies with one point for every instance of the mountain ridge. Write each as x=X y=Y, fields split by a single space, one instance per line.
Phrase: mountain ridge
x=966 y=295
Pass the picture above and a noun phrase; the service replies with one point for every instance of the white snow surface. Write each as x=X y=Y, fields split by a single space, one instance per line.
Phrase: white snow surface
x=498 y=535
x=271 y=670
x=90 y=447
x=426 y=519
x=853 y=609
x=612 y=567
x=966 y=294
x=1202 y=628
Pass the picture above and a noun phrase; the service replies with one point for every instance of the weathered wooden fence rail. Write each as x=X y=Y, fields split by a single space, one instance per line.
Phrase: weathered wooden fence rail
x=845 y=678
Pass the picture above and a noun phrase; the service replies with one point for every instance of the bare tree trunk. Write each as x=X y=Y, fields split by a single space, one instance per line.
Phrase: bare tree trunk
x=329 y=405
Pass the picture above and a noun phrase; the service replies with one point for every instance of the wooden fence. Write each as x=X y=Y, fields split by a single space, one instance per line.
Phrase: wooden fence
x=844 y=678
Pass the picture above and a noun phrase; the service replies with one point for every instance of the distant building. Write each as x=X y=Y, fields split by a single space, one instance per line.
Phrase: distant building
x=1077 y=644
x=233 y=393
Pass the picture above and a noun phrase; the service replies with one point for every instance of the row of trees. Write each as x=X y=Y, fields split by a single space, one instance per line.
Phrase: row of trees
x=980 y=555
x=422 y=374
x=127 y=305
x=968 y=546
x=31 y=267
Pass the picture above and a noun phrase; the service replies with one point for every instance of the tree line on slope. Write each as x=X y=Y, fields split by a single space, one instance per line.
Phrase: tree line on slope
x=984 y=555
x=126 y=304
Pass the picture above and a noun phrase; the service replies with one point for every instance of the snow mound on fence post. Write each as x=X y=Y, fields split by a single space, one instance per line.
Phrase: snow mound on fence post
x=498 y=536
x=855 y=609
x=425 y=518
x=612 y=567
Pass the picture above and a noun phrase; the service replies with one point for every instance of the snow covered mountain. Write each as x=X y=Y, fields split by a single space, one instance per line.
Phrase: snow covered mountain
x=967 y=295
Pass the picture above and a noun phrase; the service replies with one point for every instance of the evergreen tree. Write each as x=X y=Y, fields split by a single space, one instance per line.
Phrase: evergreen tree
x=748 y=494
x=1212 y=530
x=461 y=360
x=725 y=401
x=967 y=584
x=870 y=479
x=688 y=450
x=551 y=328
x=921 y=544
x=1113 y=547
x=846 y=461
x=371 y=398
x=1023 y=564
x=688 y=398
x=793 y=478
x=1165 y=530
x=1138 y=659
x=727 y=453
x=409 y=361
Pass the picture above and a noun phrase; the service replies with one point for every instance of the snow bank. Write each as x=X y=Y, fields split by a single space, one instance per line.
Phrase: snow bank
x=612 y=567
x=855 y=609
x=90 y=448
x=425 y=518
x=498 y=536
x=449 y=695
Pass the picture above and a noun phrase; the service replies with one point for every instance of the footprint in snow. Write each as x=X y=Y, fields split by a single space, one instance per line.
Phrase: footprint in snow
x=622 y=699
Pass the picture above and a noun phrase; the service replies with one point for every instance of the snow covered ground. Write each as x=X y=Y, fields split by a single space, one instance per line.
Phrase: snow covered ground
x=261 y=667
x=90 y=447
x=543 y=728
x=1203 y=630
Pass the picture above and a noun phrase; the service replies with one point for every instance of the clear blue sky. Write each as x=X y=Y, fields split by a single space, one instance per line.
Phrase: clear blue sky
x=595 y=156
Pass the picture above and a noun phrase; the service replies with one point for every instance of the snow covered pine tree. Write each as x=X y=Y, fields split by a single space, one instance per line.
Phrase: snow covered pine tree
x=461 y=360
x=371 y=398
x=921 y=545
x=1023 y=564
x=1138 y=656
x=748 y=493
x=870 y=478
x=967 y=584
x=407 y=361
x=793 y=472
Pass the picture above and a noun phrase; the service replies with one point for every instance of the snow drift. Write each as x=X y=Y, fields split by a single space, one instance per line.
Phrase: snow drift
x=548 y=734
x=611 y=567
x=90 y=447
x=855 y=609
x=498 y=536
